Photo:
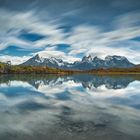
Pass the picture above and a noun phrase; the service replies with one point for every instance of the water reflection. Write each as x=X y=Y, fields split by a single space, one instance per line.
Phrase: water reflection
x=79 y=107
x=87 y=81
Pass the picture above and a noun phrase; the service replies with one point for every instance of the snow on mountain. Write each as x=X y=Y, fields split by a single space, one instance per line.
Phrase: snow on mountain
x=38 y=60
x=87 y=62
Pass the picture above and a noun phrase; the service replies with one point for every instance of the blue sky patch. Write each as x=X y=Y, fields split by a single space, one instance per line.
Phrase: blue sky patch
x=16 y=51
x=31 y=36
x=63 y=47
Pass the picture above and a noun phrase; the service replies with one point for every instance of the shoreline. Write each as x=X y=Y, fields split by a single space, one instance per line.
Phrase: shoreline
x=11 y=69
x=71 y=73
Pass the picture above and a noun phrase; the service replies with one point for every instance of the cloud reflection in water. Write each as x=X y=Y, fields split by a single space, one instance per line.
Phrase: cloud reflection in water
x=65 y=107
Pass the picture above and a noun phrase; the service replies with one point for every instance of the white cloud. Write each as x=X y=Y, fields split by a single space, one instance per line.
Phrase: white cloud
x=11 y=23
x=92 y=40
x=52 y=52
x=14 y=59
x=86 y=39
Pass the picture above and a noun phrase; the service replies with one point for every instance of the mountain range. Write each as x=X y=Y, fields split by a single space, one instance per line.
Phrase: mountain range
x=86 y=63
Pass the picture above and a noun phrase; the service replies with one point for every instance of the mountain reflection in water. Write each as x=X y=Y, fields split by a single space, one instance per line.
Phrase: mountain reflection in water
x=87 y=81
x=78 y=107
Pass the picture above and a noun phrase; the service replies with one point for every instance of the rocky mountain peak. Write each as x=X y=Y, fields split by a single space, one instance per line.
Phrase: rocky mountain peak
x=87 y=58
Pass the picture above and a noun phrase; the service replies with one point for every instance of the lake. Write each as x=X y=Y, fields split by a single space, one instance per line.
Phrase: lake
x=73 y=107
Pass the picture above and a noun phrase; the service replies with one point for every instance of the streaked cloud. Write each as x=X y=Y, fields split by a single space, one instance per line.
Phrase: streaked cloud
x=38 y=31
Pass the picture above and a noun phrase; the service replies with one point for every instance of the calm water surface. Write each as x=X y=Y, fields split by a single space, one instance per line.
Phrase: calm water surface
x=78 y=107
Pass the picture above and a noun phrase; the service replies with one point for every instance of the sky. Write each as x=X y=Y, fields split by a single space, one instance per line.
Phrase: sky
x=69 y=29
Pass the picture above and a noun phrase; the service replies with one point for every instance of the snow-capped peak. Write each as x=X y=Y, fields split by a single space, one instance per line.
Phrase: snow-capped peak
x=39 y=59
x=54 y=61
x=87 y=58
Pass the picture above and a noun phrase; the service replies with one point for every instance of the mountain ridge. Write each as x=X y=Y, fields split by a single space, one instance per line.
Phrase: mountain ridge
x=86 y=63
